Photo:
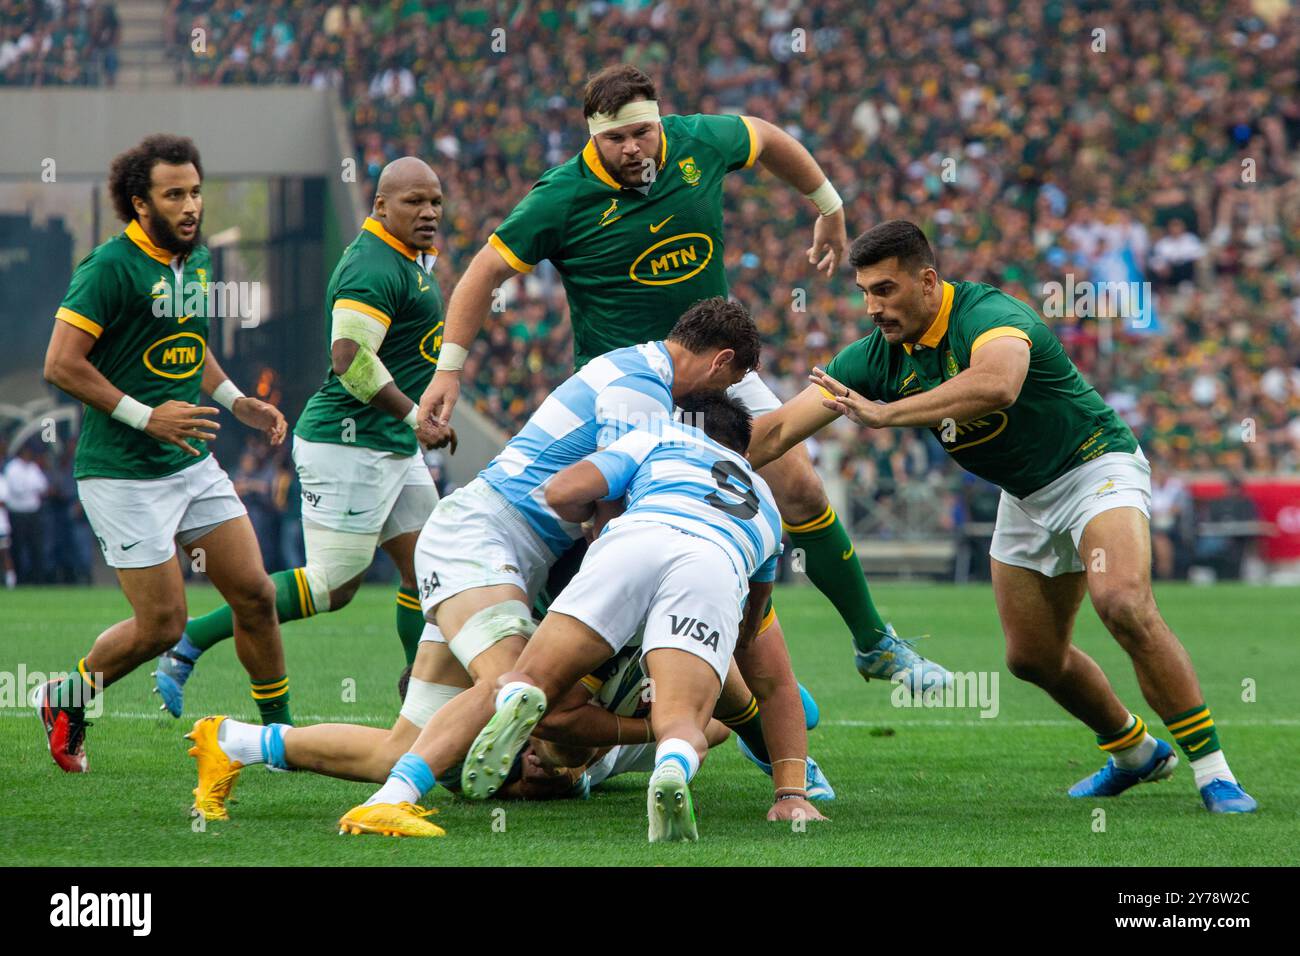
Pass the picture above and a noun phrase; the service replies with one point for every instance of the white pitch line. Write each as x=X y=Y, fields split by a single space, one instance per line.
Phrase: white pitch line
x=997 y=722
x=901 y=721
x=188 y=719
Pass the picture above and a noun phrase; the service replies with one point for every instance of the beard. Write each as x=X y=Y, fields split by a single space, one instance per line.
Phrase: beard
x=168 y=238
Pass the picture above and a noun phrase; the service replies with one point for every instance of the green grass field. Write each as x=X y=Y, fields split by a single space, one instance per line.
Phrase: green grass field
x=916 y=786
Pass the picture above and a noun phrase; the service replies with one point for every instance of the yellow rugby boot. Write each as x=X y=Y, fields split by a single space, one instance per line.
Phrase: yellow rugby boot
x=217 y=772
x=391 y=819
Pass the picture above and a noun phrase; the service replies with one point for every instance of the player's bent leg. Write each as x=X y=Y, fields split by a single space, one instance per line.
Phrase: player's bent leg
x=686 y=691
x=1116 y=549
x=157 y=598
x=234 y=565
x=336 y=563
x=559 y=654
x=1038 y=614
x=485 y=629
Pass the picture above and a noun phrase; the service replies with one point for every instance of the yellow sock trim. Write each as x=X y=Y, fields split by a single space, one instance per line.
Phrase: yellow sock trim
x=85 y=675
x=1180 y=734
x=823 y=520
x=747 y=714
x=267 y=691
x=1128 y=740
x=1196 y=718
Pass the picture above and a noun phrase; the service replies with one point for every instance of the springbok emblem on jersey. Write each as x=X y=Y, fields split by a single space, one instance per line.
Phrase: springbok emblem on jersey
x=604 y=217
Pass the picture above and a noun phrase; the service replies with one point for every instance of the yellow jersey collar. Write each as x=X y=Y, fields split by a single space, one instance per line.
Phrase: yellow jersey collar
x=135 y=232
x=939 y=327
x=591 y=156
x=376 y=227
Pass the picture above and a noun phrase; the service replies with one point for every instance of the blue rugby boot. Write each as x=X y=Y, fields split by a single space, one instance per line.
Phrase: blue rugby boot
x=1111 y=781
x=172 y=671
x=894 y=659
x=1224 y=796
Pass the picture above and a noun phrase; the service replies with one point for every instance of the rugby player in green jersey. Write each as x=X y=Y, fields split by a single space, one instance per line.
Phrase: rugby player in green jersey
x=633 y=224
x=981 y=370
x=130 y=341
x=356 y=443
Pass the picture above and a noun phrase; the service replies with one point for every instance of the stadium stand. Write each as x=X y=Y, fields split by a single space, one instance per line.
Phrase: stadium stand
x=1029 y=150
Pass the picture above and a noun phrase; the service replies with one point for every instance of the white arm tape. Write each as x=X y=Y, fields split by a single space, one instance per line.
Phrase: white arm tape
x=413 y=418
x=452 y=357
x=133 y=413
x=226 y=394
x=825 y=198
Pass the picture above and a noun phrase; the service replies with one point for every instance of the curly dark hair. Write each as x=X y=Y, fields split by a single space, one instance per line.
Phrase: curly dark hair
x=720 y=324
x=720 y=416
x=614 y=87
x=130 y=173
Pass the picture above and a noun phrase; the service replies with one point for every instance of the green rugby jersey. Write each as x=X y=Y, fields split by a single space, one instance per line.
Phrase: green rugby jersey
x=380 y=276
x=153 y=358
x=632 y=263
x=1058 y=422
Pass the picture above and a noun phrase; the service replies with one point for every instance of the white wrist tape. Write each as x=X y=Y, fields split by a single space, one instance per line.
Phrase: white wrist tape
x=825 y=198
x=133 y=413
x=451 y=358
x=413 y=418
x=226 y=394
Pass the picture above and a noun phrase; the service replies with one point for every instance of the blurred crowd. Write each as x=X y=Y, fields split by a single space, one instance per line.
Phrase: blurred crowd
x=1100 y=141
x=46 y=539
x=1039 y=144
x=58 y=42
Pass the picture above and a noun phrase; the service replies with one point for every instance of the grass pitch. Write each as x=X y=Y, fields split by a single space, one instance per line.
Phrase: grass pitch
x=916 y=786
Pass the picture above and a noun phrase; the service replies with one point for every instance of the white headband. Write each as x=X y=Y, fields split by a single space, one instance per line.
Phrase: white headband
x=639 y=111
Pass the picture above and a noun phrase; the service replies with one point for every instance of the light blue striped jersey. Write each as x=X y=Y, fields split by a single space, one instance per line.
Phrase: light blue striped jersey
x=674 y=474
x=611 y=394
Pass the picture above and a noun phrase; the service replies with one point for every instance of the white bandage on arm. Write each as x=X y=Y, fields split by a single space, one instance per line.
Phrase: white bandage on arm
x=226 y=394
x=133 y=413
x=451 y=357
x=489 y=626
x=424 y=699
x=366 y=375
x=825 y=198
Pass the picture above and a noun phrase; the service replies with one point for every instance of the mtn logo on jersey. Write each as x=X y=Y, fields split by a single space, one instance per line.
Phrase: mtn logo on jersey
x=673 y=260
x=693 y=627
x=431 y=354
x=176 y=356
x=690 y=172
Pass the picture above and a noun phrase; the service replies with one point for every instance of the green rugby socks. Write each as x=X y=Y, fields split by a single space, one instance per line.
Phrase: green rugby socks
x=833 y=567
x=410 y=621
x=293 y=601
x=748 y=725
x=272 y=699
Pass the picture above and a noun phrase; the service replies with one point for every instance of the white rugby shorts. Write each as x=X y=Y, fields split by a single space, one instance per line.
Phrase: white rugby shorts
x=137 y=520
x=1041 y=532
x=362 y=490
x=476 y=539
x=679 y=589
